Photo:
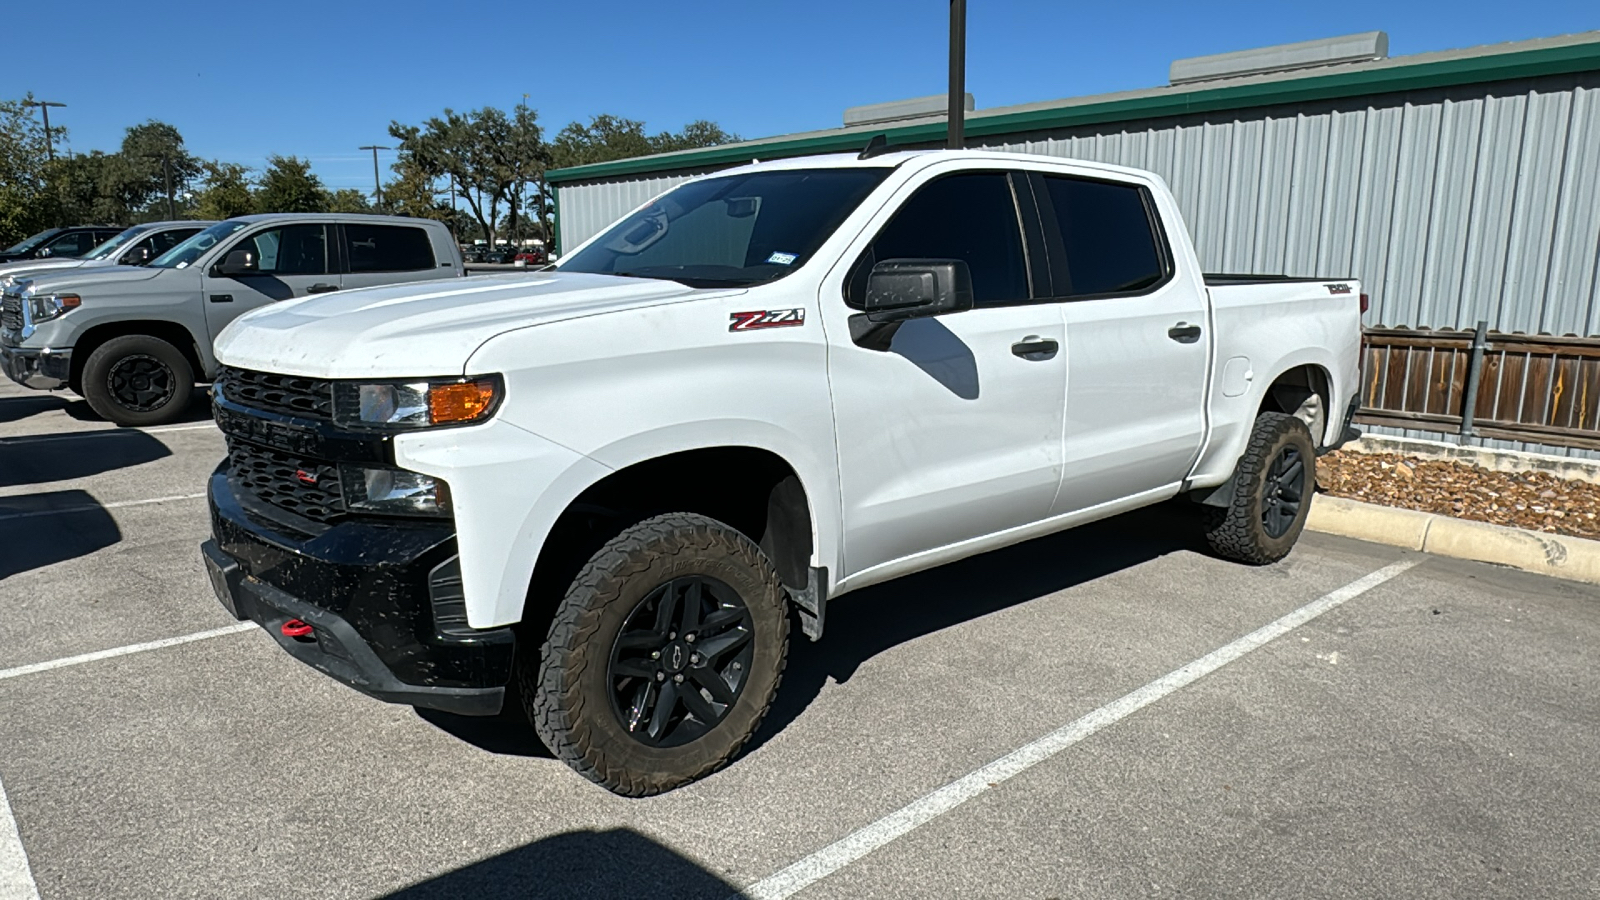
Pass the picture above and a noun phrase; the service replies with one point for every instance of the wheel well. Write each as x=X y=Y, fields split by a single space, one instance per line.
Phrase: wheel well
x=752 y=490
x=1290 y=390
x=171 y=332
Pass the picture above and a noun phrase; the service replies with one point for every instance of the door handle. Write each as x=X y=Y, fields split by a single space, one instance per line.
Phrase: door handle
x=321 y=288
x=1184 y=333
x=1035 y=348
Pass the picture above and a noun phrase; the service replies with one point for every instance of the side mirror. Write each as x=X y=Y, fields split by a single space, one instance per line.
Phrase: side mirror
x=236 y=263
x=138 y=256
x=46 y=253
x=902 y=289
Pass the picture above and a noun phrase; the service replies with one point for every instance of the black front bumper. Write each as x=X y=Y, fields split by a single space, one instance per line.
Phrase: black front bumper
x=382 y=597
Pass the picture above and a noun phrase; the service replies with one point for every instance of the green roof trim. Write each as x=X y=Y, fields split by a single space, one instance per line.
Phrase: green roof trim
x=1559 y=60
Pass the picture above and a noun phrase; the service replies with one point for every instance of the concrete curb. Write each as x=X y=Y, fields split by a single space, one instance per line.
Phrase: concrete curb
x=1571 y=468
x=1573 y=559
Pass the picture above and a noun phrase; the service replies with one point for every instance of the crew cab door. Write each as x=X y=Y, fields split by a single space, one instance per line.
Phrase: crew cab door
x=293 y=261
x=1137 y=347
x=378 y=254
x=954 y=432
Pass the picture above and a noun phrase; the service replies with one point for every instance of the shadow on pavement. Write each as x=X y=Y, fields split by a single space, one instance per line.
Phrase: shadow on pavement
x=199 y=409
x=863 y=624
x=74 y=456
x=508 y=734
x=30 y=541
x=580 y=864
x=15 y=409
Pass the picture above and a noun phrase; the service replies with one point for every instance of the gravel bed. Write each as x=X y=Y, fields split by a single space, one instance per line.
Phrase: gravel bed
x=1533 y=500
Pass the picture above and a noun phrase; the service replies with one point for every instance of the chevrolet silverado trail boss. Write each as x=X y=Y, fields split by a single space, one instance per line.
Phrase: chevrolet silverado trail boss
x=132 y=340
x=769 y=386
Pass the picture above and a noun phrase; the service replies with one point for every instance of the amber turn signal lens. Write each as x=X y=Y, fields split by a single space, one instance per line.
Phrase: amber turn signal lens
x=464 y=402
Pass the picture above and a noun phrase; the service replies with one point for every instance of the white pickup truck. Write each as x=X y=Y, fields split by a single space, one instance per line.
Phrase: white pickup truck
x=610 y=482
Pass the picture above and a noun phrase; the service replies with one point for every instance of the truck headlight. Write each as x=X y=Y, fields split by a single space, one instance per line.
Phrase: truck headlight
x=396 y=491
x=44 y=307
x=415 y=404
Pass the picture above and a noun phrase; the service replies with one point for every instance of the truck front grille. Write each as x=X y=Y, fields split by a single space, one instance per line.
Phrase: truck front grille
x=289 y=395
x=11 y=312
x=304 y=487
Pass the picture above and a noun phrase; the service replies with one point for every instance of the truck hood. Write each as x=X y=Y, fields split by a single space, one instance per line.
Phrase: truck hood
x=428 y=328
x=89 y=277
x=27 y=268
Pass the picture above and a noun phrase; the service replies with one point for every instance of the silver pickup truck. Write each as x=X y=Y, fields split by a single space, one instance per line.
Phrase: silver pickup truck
x=134 y=340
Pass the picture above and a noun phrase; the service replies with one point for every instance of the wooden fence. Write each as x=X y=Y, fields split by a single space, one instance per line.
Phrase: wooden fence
x=1516 y=387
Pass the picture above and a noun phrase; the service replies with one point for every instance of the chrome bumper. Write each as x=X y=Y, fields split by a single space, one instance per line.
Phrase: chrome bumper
x=45 y=370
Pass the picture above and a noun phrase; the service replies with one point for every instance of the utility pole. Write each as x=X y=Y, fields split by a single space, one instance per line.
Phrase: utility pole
x=958 y=74
x=166 y=175
x=377 y=187
x=44 y=107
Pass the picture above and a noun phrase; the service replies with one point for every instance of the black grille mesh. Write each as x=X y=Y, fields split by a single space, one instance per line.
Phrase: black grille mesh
x=282 y=480
x=290 y=395
x=11 y=313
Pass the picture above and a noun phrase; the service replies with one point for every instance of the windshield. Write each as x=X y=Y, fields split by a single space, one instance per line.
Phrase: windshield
x=189 y=251
x=29 y=243
x=732 y=231
x=110 y=247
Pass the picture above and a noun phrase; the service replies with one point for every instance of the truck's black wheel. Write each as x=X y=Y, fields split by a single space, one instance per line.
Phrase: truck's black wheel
x=138 y=380
x=662 y=658
x=1271 y=497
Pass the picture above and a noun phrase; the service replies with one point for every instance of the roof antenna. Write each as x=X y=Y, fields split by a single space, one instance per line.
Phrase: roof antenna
x=876 y=146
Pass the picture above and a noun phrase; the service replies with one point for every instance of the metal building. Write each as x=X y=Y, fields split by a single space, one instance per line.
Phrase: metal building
x=1458 y=186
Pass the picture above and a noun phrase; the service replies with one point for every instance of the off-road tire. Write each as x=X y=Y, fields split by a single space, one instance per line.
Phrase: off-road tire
x=1237 y=531
x=565 y=688
x=99 y=368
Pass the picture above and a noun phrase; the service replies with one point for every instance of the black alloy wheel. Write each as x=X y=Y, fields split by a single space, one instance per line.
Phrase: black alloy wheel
x=680 y=661
x=141 y=383
x=1284 y=489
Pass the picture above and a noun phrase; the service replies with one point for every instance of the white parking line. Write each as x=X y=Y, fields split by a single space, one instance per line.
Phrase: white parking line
x=16 y=878
x=90 y=507
x=98 y=655
x=854 y=846
x=100 y=432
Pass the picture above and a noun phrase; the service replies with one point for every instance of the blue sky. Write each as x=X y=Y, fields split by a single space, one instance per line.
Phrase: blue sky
x=318 y=80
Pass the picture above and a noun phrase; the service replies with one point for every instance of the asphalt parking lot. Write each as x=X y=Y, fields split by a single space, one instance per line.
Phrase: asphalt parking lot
x=1356 y=721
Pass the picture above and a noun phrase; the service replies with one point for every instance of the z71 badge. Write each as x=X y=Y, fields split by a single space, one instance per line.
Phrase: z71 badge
x=766 y=318
x=1338 y=288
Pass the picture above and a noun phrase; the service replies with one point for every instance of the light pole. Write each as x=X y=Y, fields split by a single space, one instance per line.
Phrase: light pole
x=958 y=74
x=377 y=187
x=44 y=107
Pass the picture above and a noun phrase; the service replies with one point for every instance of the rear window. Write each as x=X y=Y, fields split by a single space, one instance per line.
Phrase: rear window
x=388 y=248
x=1110 y=238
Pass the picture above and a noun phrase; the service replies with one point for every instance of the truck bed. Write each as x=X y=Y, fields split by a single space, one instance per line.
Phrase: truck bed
x=1221 y=279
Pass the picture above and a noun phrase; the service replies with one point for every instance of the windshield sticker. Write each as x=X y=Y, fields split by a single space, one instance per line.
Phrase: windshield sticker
x=783 y=259
x=766 y=318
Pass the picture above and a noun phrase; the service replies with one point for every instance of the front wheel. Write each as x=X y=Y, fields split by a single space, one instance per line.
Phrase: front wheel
x=1271 y=493
x=662 y=658
x=137 y=379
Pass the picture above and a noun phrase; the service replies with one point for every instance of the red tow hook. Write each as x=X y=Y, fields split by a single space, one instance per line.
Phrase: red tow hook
x=296 y=629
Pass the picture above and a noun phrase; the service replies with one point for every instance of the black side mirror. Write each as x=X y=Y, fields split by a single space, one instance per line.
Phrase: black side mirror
x=903 y=289
x=45 y=253
x=236 y=263
x=138 y=256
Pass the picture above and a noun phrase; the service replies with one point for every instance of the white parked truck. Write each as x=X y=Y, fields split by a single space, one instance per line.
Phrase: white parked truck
x=610 y=482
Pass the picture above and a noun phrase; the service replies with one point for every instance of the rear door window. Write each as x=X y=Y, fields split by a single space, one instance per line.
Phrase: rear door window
x=1105 y=237
x=73 y=244
x=388 y=248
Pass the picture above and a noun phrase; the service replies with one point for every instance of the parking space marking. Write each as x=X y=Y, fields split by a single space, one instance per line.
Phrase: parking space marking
x=841 y=853
x=91 y=507
x=163 y=429
x=16 y=878
x=34 y=668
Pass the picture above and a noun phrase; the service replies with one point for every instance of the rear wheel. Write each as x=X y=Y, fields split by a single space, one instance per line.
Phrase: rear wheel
x=662 y=658
x=1271 y=495
x=138 y=380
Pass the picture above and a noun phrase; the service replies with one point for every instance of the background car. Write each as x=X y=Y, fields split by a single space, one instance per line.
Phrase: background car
x=73 y=241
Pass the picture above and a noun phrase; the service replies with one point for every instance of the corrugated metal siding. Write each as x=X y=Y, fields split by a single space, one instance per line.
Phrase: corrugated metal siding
x=1450 y=205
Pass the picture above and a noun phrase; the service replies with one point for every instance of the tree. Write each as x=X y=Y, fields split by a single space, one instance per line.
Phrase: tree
x=289 y=186
x=349 y=200
x=490 y=155
x=152 y=161
x=225 y=192
x=608 y=137
x=24 y=205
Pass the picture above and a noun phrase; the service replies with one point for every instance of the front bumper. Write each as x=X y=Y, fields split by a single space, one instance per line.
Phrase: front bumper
x=382 y=597
x=46 y=370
